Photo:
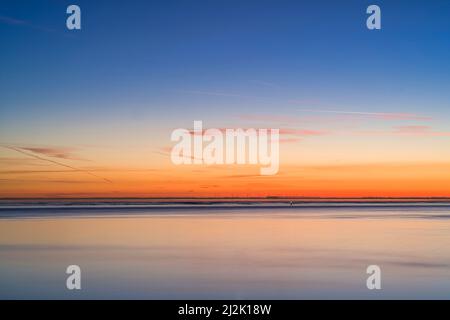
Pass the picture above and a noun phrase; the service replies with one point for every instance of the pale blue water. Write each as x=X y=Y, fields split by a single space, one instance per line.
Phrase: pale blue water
x=231 y=251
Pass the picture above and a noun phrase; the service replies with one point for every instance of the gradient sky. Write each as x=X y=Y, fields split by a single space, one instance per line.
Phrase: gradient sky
x=89 y=113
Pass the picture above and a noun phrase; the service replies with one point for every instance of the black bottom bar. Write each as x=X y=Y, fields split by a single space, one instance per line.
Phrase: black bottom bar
x=228 y=309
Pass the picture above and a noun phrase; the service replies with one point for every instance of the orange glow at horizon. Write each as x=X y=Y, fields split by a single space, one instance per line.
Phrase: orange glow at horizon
x=345 y=163
x=368 y=180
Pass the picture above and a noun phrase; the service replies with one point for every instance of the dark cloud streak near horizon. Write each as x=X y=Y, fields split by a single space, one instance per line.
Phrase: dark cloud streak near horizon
x=56 y=162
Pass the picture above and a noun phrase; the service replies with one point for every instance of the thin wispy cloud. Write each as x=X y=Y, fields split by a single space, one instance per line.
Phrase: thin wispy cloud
x=380 y=115
x=32 y=171
x=62 y=153
x=18 y=161
x=302 y=132
x=289 y=140
x=419 y=131
x=25 y=23
x=290 y=132
x=269 y=118
x=30 y=154
x=166 y=151
x=6 y=172
x=12 y=21
x=294 y=119
x=44 y=181
x=414 y=131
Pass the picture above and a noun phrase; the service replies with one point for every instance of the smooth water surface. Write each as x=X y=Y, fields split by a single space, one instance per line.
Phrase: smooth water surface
x=231 y=252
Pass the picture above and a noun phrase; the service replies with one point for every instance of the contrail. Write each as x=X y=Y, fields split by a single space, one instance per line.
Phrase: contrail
x=348 y=112
x=377 y=114
x=56 y=162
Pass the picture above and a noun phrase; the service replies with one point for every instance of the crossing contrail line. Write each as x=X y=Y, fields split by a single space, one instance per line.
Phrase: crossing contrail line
x=57 y=163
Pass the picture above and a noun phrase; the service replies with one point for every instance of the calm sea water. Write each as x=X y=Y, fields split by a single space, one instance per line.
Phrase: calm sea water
x=225 y=251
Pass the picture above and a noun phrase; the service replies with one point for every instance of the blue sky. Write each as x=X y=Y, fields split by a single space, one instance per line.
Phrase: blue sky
x=139 y=69
x=170 y=52
x=163 y=61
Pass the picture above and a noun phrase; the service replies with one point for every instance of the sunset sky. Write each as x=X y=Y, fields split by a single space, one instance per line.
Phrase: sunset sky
x=89 y=113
